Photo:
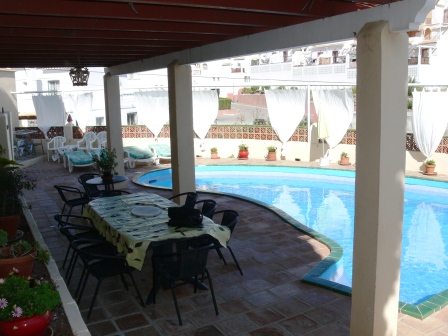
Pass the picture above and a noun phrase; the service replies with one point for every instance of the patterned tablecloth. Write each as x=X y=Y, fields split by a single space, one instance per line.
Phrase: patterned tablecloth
x=133 y=235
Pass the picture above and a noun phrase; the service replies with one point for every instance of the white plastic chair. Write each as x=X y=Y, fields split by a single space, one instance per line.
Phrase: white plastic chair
x=97 y=143
x=85 y=142
x=54 y=144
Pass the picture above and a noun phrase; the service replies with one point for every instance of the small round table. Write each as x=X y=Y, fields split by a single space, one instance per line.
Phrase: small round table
x=108 y=184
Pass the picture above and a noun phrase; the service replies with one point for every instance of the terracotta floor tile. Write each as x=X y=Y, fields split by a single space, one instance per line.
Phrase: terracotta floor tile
x=264 y=316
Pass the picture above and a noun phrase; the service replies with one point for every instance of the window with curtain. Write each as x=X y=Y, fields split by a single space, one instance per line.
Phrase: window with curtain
x=53 y=85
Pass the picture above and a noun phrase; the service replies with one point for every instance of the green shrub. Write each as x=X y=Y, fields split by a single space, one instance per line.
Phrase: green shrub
x=225 y=103
x=254 y=88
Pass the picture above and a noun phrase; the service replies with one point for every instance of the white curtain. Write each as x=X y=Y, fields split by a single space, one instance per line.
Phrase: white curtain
x=152 y=109
x=50 y=111
x=429 y=119
x=205 y=110
x=82 y=107
x=286 y=109
x=335 y=113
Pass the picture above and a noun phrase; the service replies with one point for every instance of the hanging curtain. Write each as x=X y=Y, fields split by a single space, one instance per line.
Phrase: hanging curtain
x=286 y=109
x=152 y=109
x=82 y=108
x=429 y=120
x=335 y=113
x=50 y=111
x=205 y=110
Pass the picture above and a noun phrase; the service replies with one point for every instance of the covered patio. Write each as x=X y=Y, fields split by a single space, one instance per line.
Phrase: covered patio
x=234 y=29
x=268 y=299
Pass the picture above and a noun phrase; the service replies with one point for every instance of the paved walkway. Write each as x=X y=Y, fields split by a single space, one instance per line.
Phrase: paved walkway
x=268 y=299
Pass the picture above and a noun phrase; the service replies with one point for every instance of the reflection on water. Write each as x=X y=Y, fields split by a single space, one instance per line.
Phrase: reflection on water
x=425 y=245
x=326 y=204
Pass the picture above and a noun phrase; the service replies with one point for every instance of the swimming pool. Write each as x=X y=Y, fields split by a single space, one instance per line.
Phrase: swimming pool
x=323 y=200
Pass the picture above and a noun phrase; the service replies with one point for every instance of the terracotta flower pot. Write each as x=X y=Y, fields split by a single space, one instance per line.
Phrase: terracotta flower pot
x=345 y=161
x=10 y=225
x=23 y=264
x=430 y=169
x=272 y=156
x=214 y=155
x=26 y=326
x=243 y=154
x=107 y=176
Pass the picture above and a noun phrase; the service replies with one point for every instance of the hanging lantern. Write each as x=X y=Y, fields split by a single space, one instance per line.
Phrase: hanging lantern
x=79 y=76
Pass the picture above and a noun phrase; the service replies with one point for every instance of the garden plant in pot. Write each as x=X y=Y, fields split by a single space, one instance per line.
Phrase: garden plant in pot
x=18 y=258
x=26 y=305
x=345 y=160
x=12 y=184
x=243 y=153
x=214 y=153
x=106 y=163
x=272 y=153
x=430 y=165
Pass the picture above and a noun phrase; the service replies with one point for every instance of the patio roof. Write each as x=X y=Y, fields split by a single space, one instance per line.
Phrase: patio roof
x=66 y=33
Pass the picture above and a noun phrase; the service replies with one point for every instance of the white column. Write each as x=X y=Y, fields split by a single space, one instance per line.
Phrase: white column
x=181 y=127
x=379 y=190
x=113 y=118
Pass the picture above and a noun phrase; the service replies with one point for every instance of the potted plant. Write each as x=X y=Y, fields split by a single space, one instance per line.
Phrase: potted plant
x=13 y=182
x=272 y=153
x=19 y=257
x=345 y=160
x=106 y=163
x=243 y=153
x=26 y=305
x=430 y=165
x=214 y=153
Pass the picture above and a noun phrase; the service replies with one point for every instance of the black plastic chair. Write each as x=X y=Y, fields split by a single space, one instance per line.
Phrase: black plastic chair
x=191 y=198
x=75 y=227
x=208 y=207
x=72 y=197
x=101 y=266
x=180 y=268
x=91 y=190
x=229 y=219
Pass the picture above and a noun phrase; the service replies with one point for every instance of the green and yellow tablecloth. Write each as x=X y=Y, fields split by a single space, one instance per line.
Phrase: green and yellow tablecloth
x=133 y=235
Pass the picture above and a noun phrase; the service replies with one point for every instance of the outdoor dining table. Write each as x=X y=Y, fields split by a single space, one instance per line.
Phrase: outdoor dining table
x=131 y=234
x=108 y=184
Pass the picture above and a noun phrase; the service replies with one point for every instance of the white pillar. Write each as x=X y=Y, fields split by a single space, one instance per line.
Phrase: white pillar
x=113 y=118
x=181 y=127
x=380 y=168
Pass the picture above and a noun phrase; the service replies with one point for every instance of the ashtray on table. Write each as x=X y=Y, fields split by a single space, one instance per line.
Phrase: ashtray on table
x=146 y=211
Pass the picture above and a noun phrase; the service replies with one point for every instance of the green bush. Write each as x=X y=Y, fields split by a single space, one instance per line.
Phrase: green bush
x=225 y=103
x=254 y=88
x=281 y=87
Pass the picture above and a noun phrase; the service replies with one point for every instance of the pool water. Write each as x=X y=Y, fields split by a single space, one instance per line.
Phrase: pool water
x=323 y=200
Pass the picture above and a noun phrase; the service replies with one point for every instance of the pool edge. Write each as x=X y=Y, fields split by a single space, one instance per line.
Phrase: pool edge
x=420 y=311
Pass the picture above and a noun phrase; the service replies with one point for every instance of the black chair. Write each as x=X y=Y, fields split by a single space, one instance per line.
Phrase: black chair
x=75 y=227
x=191 y=198
x=180 y=268
x=229 y=219
x=91 y=190
x=208 y=207
x=72 y=197
x=101 y=266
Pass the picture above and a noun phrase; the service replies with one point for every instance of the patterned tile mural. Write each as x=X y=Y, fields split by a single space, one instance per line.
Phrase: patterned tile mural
x=252 y=132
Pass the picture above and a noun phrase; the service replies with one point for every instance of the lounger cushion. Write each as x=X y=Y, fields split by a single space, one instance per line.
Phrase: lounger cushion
x=162 y=149
x=79 y=158
x=138 y=153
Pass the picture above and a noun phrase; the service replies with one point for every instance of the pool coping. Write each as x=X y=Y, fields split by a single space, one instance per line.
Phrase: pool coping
x=420 y=311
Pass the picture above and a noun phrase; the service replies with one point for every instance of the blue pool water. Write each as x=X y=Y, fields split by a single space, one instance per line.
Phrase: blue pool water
x=324 y=201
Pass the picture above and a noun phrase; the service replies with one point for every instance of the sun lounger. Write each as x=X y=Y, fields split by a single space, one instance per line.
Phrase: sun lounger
x=135 y=155
x=162 y=151
x=77 y=158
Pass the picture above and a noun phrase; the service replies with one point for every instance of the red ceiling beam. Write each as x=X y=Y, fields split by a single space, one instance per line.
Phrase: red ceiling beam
x=158 y=13
x=24 y=21
x=103 y=34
